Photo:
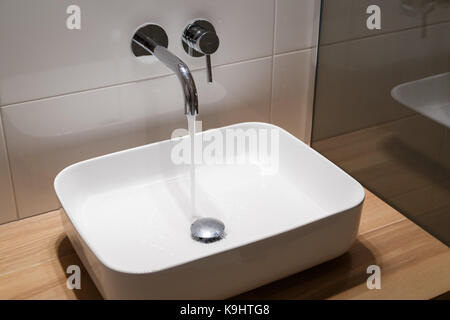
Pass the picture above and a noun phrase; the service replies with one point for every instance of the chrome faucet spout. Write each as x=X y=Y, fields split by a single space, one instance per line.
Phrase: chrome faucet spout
x=176 y=65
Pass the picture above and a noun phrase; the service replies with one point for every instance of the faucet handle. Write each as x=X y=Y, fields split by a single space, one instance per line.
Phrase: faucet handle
x=200 y=39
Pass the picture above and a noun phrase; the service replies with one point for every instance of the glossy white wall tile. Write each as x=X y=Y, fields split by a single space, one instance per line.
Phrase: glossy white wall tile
x=47 y=135
x=7 y=204
x=40 y=54
x=293 y=92
x=296 y=24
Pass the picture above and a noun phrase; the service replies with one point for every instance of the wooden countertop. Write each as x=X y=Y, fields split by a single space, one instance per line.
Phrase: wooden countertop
x=35 y=252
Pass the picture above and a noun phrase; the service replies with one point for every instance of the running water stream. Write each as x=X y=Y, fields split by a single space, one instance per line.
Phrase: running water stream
x=191 y=127
x=203 y=229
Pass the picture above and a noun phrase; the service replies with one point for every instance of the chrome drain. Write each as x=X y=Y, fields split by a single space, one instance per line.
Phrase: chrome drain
x=207 y=230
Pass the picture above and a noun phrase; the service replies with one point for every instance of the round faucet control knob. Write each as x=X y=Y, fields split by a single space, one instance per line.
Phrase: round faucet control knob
x=200 y=39
x=208 y=43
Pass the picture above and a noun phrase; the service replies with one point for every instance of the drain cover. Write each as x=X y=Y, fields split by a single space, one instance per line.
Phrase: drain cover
x=207 y=230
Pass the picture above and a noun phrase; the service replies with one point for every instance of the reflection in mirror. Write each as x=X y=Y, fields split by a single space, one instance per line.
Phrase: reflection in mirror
x=382 y=105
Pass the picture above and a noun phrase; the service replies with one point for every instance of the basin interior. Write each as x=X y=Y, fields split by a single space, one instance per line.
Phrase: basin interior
x=133 y=208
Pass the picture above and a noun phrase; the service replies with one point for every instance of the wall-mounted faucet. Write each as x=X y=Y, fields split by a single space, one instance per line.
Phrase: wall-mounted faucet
x=200 y=39
x=151 y=39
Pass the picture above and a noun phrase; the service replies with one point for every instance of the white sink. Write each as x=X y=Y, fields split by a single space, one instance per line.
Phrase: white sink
x=128 y=216
x=428 y=96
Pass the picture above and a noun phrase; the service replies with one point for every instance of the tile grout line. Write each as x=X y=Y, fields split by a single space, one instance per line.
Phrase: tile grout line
x=161 y=76
x=272 y=71
x=294 y=51
x=383 y=33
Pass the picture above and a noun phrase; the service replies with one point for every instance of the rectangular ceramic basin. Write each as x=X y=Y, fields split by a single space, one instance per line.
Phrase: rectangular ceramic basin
x=128 y=216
